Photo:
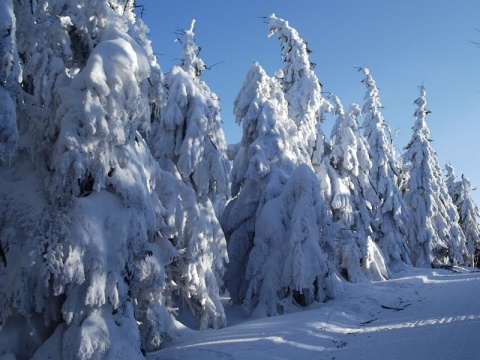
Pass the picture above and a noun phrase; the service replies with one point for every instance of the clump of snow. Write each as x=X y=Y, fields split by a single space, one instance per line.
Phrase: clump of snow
x=100 y=110
x=10 y=71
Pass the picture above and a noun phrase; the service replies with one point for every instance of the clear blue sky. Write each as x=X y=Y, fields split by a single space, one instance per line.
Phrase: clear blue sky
x=403 y=43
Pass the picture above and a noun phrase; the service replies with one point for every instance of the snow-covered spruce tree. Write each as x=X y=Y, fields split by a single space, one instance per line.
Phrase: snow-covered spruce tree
x=390 y=212
x=469 y=221
x=353 y=208
x=434 y=236
x=306 y=105
x=82 y=230
x=9 y=81
x=260 y=109
x=273 y=225
x=333 y=189
x=289 y=263
x=188 y=141
x=300 y=84
x=460 y=192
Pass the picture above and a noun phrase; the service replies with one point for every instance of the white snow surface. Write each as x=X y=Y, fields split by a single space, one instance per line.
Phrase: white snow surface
x=422 y=314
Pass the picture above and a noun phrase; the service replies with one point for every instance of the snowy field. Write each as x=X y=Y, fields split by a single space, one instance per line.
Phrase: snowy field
x=423 y=314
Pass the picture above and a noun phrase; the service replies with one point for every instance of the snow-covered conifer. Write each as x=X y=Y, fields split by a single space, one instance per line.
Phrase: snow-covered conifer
x=390 y=212
x=187 y=140
x=289 y=264
x=434 y=235
x=354 y=207
x=306 y=104
x=260 y=108
x=469 y=214
x=350 y=155
x=83 y=233
x=469 y=221
x=269 y=152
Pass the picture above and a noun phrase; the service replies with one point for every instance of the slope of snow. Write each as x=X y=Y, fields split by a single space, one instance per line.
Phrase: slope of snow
x=423 y=314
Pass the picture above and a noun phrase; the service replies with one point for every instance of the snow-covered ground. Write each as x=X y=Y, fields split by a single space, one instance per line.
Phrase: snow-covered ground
x=423 y=314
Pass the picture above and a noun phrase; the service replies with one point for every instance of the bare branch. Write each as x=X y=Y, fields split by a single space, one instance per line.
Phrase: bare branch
x=211 y=66
x=264 y=18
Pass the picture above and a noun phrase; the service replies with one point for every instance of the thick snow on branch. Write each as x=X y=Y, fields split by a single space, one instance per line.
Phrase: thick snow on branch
x=191 y=63
x=9 y=77
x=100 y=112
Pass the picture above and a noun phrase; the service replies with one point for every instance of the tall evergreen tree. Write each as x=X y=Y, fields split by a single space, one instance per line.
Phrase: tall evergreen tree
x=306 y=107
x=306 y=104
x=469 y=221
x=354 y=207
x=289 y=263
x=83 y=232
x=269 y=272
x=391 y=213
x=460 y=192
x=434 y=235
x=258 y=172
x=187 y=140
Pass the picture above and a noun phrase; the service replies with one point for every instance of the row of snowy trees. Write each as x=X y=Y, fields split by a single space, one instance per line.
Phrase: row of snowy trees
x=120 y=212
